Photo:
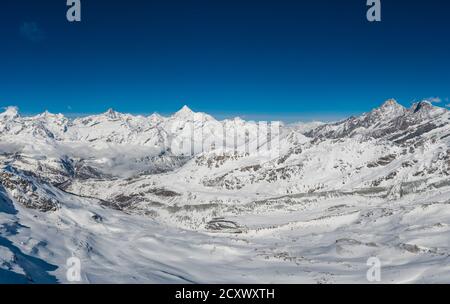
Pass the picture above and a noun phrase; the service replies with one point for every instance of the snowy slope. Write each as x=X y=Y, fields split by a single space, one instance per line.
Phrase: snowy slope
x=126 y=195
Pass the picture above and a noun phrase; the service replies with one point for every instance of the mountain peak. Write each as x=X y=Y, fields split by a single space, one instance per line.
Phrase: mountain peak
x=10 y=112
x=390 y=108
x=423 y=105
x=155 y=117
x=46 y=113
x=390 y=103
x=184 y=111
x=111 y=114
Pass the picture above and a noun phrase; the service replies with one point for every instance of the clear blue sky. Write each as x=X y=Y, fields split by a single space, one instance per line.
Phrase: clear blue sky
x=305 y=59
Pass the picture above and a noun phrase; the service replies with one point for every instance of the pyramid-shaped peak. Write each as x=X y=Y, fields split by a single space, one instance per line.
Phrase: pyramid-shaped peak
x=111 y=114
x=185 y=110
x=391 y=108
x=391 y=104
x=185 y=113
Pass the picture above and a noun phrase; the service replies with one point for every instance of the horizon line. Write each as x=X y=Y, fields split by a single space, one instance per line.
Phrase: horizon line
x=287 y=117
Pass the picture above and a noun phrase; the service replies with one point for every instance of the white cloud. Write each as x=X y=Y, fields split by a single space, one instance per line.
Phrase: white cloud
x=434 y=99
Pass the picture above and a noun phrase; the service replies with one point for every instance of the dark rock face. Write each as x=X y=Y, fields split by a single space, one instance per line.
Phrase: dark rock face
x=378 y=119
x=26 y=192
x=390 y=122
x=221 y=224
x=163 y=192
x=382 y=161
x=422 y=106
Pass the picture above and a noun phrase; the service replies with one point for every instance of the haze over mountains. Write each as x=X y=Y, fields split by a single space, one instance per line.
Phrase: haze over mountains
x=181 y=198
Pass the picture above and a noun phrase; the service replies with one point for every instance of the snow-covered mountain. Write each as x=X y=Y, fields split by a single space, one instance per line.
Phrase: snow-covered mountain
x=156 y=199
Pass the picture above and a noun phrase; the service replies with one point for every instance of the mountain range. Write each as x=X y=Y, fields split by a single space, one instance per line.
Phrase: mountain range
x=188 y=198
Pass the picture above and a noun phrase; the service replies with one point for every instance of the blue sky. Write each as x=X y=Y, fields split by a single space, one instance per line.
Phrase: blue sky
x=296 y=59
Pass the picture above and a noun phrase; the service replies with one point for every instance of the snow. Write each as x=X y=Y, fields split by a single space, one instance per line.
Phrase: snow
x=10 y=113
x=107 y=190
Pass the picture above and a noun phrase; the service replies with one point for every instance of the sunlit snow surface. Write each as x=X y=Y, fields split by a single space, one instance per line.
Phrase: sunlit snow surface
x=326 y=241
x=100 y=189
